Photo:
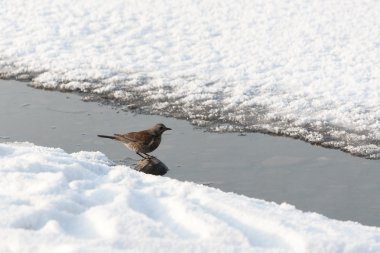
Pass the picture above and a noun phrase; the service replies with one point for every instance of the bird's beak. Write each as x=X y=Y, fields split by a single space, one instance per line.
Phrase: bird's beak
x=167 y=128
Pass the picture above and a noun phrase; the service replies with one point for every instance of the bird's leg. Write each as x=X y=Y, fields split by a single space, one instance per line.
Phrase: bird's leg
x=149 y=156
x=141 y=155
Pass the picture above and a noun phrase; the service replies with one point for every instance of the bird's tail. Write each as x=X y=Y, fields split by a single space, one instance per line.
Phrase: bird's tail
x=107 y=136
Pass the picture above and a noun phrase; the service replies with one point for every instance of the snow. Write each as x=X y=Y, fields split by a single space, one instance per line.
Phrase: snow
x=306 y=69
x=52 y=201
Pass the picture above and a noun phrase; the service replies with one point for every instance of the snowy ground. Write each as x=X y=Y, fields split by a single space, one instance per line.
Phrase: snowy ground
x=51 y=201
x=307 y=69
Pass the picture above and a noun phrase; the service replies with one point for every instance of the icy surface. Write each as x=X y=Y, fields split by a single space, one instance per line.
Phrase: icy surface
x=306 y=69
x=51 y=201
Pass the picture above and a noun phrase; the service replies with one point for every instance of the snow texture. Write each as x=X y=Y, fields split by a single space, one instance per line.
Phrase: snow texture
x=306 y=69
x=51 y=201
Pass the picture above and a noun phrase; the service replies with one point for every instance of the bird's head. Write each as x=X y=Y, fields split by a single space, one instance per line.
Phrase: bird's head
x=158 y=129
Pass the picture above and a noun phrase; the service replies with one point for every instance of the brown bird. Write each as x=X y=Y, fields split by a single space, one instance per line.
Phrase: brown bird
x=142 y=142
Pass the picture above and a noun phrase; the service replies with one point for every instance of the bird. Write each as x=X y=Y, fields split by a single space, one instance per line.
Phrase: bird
x=141 y=142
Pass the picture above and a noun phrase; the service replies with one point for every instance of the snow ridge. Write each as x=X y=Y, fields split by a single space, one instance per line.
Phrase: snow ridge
x=306 y=69
x=52 y=201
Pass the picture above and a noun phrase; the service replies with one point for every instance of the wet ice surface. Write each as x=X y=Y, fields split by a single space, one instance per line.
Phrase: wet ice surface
x=304 y=69
x=272 y=168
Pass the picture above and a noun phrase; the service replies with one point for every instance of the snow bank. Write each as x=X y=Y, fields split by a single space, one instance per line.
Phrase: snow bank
x=51 y=201
x=307 y=69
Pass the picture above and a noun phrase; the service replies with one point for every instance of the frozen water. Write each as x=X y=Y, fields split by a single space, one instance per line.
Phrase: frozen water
x=52 y=201
x=306 y=69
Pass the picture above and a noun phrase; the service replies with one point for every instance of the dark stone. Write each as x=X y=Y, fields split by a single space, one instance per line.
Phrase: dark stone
x=151 y=166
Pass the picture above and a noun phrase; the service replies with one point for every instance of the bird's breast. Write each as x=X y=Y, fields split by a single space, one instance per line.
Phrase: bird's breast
x=154 y=144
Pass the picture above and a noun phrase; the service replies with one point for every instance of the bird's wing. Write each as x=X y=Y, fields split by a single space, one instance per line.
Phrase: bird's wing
x=141 y=137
